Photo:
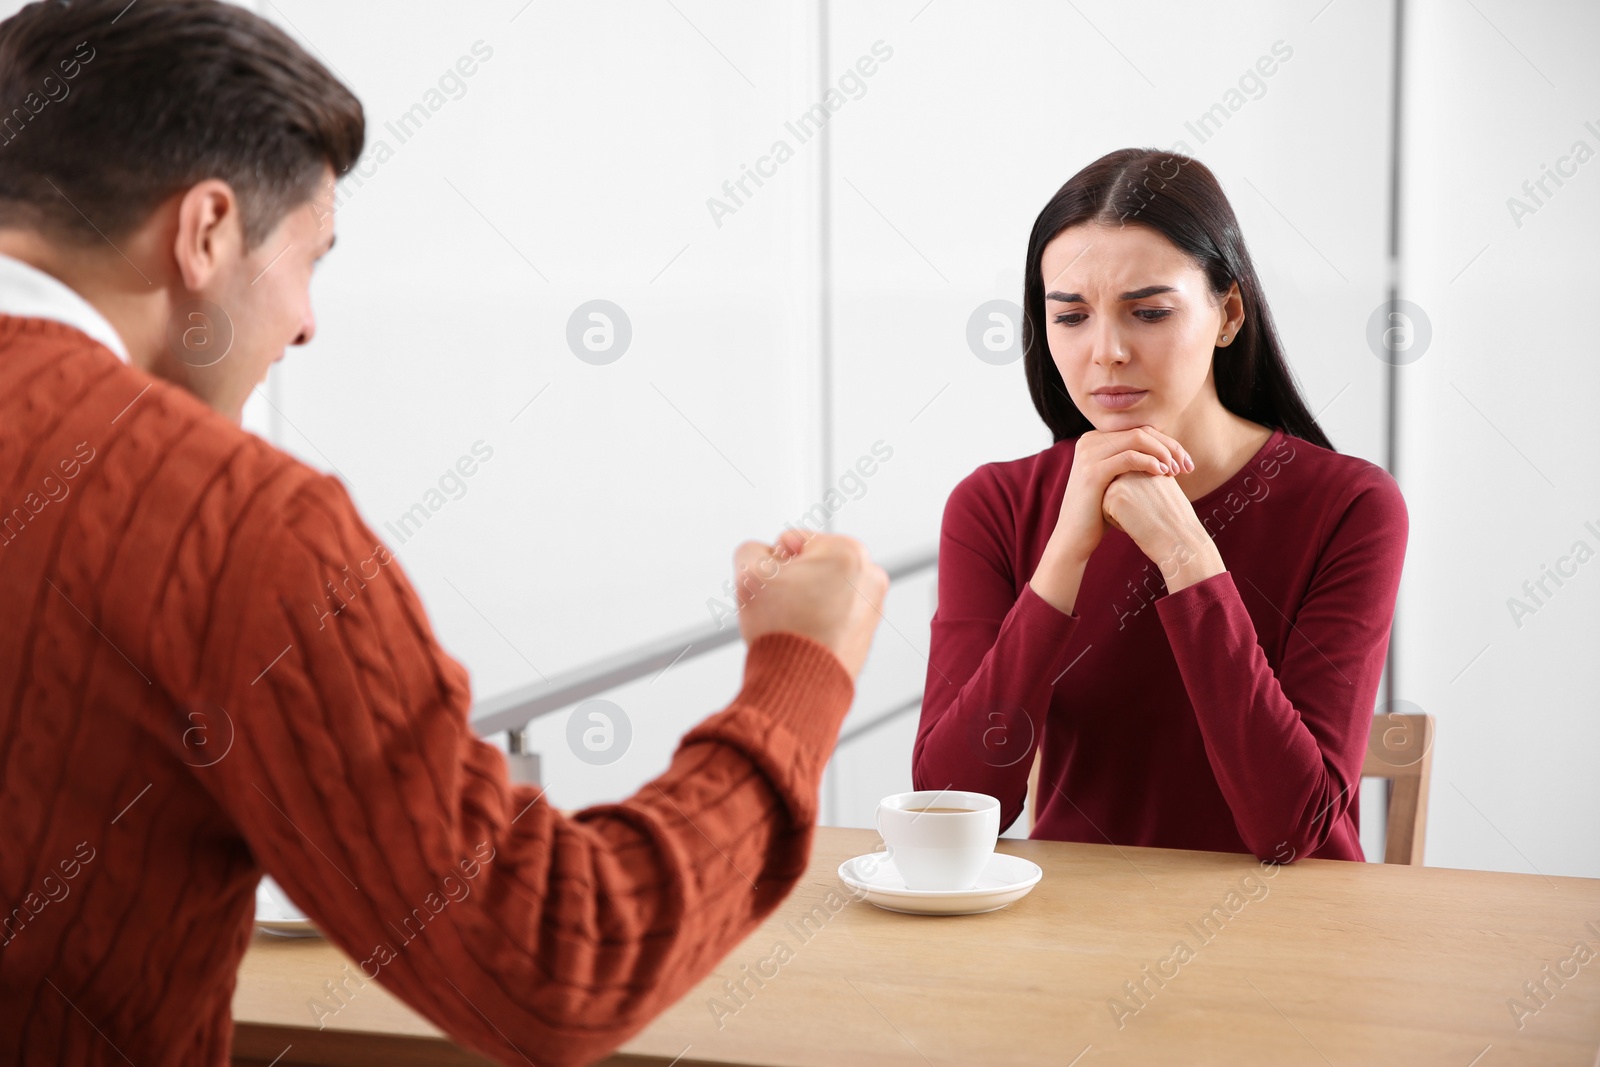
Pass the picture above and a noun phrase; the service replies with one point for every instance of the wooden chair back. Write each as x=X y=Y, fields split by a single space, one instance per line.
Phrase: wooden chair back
x=1399 y=749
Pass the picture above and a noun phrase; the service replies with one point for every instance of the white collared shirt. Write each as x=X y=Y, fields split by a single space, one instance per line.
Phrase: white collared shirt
x=27 y=292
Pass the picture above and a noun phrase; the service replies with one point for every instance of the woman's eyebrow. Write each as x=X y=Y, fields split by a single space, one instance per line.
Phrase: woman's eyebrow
x=1137 y=294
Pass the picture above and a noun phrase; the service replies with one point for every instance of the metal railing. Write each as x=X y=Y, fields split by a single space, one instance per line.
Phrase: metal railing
x=513 y=710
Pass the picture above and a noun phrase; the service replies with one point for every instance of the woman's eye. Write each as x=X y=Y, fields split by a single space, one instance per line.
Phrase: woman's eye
x=1144 y=315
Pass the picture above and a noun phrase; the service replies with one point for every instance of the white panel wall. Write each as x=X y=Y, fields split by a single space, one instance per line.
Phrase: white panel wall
x=943 y=163
x=565 y=172
x=1498 y=430
x=575 y=163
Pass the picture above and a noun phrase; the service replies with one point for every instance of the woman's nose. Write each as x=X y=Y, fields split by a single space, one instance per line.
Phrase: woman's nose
x=1108 y=346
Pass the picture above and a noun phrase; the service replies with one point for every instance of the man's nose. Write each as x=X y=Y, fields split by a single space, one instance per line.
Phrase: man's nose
x=308 y=330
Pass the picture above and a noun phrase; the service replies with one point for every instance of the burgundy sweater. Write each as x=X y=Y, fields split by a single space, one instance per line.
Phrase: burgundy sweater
x=180 y=711
x=1229 y=716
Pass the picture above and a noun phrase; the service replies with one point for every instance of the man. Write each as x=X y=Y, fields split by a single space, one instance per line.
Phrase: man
x=181 y=713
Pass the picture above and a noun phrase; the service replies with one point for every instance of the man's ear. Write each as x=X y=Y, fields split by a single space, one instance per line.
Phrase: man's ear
x=210 y=233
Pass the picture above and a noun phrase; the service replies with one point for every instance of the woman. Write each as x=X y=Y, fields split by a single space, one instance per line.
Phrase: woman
x=1186 y=600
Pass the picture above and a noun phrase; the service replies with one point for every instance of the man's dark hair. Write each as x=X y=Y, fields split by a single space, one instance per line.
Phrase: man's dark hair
x=108 y=108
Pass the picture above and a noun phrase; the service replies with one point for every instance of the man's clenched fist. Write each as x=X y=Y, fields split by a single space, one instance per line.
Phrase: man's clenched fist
x=822 y=586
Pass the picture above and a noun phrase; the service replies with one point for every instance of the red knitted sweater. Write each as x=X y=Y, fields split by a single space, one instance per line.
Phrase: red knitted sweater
x=180 y=714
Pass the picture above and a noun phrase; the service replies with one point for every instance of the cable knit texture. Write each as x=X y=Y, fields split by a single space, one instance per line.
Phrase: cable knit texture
x=184 y=709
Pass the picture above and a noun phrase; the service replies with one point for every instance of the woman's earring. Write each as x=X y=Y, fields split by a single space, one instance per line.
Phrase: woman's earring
x=1224 y=339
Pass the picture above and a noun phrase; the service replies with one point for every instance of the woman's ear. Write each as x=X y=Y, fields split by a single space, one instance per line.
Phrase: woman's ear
x=1232 y=314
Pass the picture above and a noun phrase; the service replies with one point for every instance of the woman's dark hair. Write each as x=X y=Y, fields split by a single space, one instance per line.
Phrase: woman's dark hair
x=1178 y=197
x=108 y=108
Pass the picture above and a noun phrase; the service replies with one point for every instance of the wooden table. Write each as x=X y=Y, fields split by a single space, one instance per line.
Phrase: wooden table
x=1319 y=962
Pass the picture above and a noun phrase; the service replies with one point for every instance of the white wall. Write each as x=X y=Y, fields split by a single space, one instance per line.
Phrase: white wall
x=1498 y=432
x=941 y=168
x=829 y=312
x=591 y=141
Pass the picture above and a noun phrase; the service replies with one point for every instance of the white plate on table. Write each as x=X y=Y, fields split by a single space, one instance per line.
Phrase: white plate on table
x=1005 y=879
x=276 y=915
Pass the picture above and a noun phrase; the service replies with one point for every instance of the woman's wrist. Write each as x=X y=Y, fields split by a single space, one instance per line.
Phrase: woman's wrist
x=1194 y=563
x=1059 y=574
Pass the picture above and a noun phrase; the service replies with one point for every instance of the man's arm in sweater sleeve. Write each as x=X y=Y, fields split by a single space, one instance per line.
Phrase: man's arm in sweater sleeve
x=1287 y=749
x=357 y=782
x=993 y=657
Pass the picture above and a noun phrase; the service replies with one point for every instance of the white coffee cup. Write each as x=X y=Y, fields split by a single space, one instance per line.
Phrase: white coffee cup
x=939 y=850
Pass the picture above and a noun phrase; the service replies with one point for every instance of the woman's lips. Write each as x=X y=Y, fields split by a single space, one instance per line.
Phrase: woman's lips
x=1120 y=401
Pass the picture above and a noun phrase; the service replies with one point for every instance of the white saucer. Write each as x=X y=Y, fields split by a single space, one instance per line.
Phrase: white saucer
x=276 y=915
x=1004 y=879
